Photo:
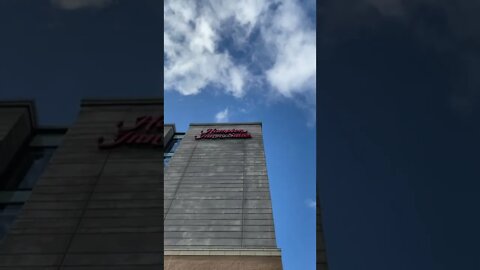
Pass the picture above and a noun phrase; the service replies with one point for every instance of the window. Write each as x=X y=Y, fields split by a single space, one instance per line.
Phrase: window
x=172 y=147
x=166 y=160
x=174 y=143
x=8 y=213
x=39 y=158
x=24 y=172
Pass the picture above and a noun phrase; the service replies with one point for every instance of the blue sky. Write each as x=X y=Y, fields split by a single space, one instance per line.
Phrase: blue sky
x=59 y=51
x=248 y=61
x=397 y=106
x=290 y=154
x=256 y=65
x=398 y=113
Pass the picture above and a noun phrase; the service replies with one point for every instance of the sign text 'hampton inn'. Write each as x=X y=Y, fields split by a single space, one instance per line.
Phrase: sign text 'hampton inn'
x=147 y=131
x=223 y=134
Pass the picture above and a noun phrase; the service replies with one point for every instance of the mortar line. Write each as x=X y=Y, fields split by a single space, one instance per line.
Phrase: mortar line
x=243 y=192
x=180 y=181
x=87 y=202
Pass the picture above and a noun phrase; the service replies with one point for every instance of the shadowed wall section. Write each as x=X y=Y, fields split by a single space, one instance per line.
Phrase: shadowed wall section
x=94 y=208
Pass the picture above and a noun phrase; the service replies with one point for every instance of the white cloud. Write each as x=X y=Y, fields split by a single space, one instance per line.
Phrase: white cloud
x=79 y=4
x=222 y=116
x=294 y=70
x=197 y=55
x=191 y=39
x=311 y=203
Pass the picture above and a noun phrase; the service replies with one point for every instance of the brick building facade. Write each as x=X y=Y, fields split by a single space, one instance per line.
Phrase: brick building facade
x=94 y=195
x=218 y=212
x=90 y=208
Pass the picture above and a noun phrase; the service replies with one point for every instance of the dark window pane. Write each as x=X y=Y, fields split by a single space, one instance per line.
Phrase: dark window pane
x=8 y=213
x=15 y=196
x=173 y=146
x=41 y=156
x=166 y=160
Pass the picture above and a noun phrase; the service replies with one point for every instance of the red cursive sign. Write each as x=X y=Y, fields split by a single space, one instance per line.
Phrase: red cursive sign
x=145 y=132
x=223 y=134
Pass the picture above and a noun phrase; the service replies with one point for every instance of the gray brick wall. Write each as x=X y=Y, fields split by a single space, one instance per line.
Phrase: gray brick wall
x=93 y=209
x=217 y=193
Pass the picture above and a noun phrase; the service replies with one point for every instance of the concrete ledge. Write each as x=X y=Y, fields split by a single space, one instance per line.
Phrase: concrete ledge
x=222 y=252
x=234 y=262
x=226 y=124
x=51 y=130
x=29 y=104
x=171 y=125
x=168 y=133
x=122 y=101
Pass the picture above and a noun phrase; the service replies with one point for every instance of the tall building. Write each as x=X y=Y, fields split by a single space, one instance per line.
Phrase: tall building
x=88 y=197
x=218 y=211
x=93 y=195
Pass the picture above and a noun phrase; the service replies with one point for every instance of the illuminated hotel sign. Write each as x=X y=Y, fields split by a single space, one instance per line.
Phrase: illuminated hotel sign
x=147 y=131
x=223 y=134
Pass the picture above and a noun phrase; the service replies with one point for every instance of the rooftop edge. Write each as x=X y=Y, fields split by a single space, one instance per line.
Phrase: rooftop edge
x=120 y=101
x=28 y=103
x=226 y=124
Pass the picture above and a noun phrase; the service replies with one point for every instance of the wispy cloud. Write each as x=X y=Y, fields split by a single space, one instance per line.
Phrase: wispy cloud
x=80 y=4
x=191 y=39
x=222 y=116
x=294 y=68
x=311 y=203
x=232 y=45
